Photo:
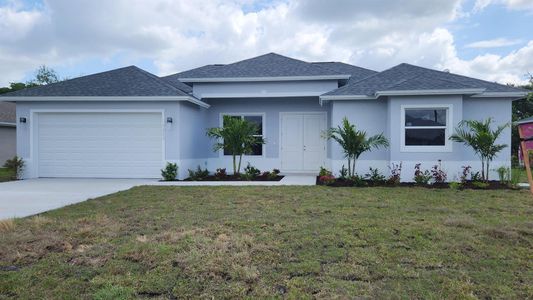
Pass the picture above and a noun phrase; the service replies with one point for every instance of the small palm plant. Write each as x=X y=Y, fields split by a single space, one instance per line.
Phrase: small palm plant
x=479 y=136
x=237 y=136
x=354 y=142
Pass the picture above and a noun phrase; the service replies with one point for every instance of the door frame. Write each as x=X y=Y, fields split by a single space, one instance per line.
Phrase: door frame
x=34 y=129
x=281 y=114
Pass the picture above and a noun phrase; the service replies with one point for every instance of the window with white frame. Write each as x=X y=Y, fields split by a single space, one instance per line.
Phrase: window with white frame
x=253 y=118
x=425 y=128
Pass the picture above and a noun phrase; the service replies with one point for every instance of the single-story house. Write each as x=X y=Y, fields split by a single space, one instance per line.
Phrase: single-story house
x=8 y=132
x=127 y=123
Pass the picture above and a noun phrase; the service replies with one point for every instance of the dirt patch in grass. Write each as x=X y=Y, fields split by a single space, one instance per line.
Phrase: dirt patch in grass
x=264 y=242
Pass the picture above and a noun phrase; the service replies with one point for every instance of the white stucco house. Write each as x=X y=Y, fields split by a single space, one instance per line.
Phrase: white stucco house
x=127 y=123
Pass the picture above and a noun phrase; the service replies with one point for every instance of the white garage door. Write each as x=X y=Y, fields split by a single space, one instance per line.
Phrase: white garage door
x=99 y=145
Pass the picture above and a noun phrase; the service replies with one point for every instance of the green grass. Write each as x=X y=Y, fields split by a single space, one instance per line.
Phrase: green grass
x=5 y=175
x=294 y=242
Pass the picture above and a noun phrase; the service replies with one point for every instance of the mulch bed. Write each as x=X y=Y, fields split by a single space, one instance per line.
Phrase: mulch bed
x=492 y=185
x=237 y=178
x=231 y=178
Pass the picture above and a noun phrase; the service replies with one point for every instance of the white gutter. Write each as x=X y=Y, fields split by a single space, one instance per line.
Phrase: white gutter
x=475 y=93
x=7 y=124
x=278 y=78
x=429 y=92
x=347 y=97
x=103 y=98
x=501 y=94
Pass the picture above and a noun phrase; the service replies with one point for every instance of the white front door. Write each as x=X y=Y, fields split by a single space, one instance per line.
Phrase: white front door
x=302 y=145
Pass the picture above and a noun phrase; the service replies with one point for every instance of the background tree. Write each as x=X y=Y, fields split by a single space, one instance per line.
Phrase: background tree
x=236 y=136
x=479 y=136
x=43 y=76
x=354 y=142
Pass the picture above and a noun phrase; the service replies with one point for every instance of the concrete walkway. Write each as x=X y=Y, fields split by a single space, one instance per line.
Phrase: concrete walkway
x=28 y=197
x=32 y=196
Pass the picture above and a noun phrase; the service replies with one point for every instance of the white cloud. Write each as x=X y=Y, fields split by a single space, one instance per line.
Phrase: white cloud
x=494 y=43
x=505 y=69
x=180 y=34
x=510 y=4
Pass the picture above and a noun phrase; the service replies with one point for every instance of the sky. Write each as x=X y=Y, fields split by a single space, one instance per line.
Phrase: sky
x=486 y=39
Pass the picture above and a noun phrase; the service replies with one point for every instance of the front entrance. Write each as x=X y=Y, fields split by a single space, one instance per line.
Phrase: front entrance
x=302 y=146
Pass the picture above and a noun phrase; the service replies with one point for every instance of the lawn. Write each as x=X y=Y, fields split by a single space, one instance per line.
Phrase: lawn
x=295 y=242
x=5 y=175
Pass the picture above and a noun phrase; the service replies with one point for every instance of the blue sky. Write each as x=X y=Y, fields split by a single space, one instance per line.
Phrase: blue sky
x=488 y=39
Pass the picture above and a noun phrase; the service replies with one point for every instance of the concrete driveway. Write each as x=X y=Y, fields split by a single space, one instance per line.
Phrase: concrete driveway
x=29 y=197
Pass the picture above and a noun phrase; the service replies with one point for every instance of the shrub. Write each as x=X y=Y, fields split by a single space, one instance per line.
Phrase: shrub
x=395 y=173
x=439 y=176
x=504 y=174
x=16 y=166
x=480 y=184
x=343 y=173
x=271 y=175
x=170 y=172
x=358 y=180
x=422 y=177
x=221 y=173
x=324 y=172
x=455 y=185
x=465 y=173
x=515 y=178
x=476 y=177
x=374 y=176
x=327 y=179
x=198 y=174
x=250 y=172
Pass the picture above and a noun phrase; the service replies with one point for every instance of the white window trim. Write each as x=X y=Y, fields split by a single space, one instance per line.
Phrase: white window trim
x=448 y=145
x=261 y=114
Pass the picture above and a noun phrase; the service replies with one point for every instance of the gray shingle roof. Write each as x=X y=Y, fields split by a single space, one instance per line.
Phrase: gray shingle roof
x=177 y=84
x=405 y=77
x=7 y=112
x=267 y=65
x=128 y=81
x=357 y=73
x=201 y=72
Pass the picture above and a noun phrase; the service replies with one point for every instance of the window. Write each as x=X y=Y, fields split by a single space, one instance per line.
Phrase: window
x=425 y=128
x=258 y=120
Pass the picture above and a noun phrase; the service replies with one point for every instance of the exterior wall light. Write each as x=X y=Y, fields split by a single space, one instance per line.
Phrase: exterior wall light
x=22 y=120
x=169 y=120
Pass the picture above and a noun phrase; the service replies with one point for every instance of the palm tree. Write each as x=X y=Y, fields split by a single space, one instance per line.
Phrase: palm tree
x=237 y=136
x=354 y=142
x=481 y=138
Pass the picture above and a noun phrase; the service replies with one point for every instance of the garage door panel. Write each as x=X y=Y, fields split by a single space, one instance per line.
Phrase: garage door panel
x=106 y=145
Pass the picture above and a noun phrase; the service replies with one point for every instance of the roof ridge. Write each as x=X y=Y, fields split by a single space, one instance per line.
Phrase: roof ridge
x=286 y=57
x=341 y=62
x=158 y=80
